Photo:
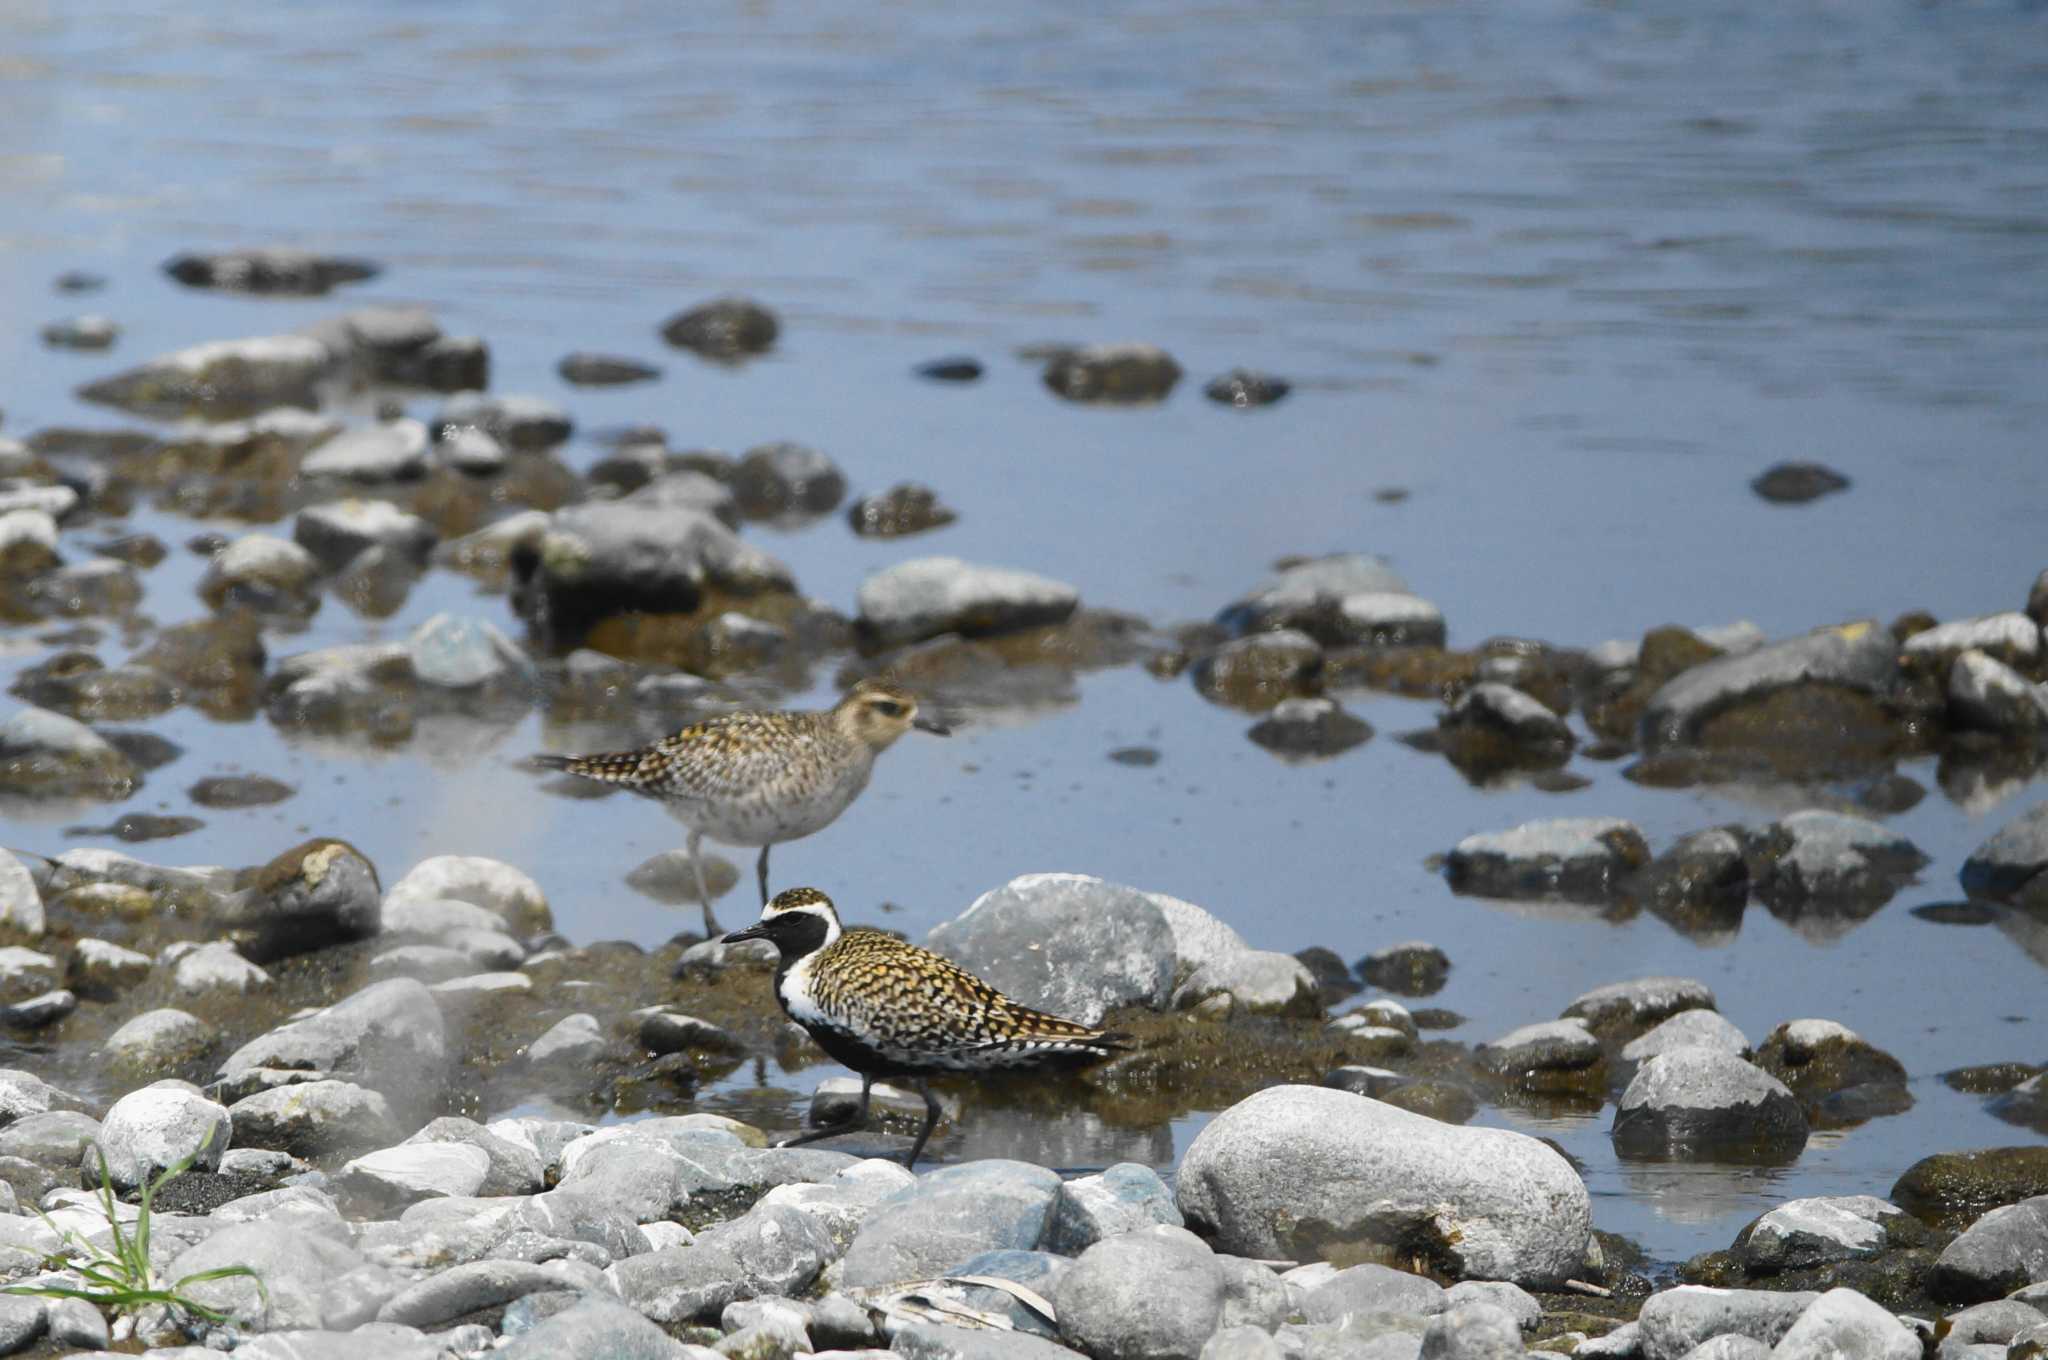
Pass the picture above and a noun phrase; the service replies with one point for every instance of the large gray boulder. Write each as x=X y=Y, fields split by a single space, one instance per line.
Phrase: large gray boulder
x=1309 y=1173
x=1676 y=1320
x=927 y=596
x=1699 y=1102
x=2002 y=1251
x=1844 y=1325
x=1153 y=1294
x=949 y=1216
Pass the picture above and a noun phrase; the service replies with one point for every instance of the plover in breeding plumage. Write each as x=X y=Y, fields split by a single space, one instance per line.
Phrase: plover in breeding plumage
x=760 y=778
x=887 y=1008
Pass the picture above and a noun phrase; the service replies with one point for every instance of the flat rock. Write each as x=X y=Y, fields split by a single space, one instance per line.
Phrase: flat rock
x=314 y=1118
x=1633 y=1007
x=1307 y=1173
x=221 y=379
x=394 y=1177
x=1858 y=660
x=949 y=1216
x=47 y=755
x=1673 y=1322
x=272 y=269
x=927 y=596
x=1545 y=1055
x=393 y=451
x=1808 y=1232
x=1575 y=858
x=336 y=531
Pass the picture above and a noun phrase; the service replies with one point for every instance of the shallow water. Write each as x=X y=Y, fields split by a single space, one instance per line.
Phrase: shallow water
x=1569 y=275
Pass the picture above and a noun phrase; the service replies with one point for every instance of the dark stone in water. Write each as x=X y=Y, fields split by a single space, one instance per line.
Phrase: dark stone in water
x=1333 y=977
x=206 y=544
x=1949 y=1189
x=1797 y=483
x=726 y=329
x=903 y=509
x=144 y=750
x=1245 y=389
x=784 y=478
x=141 y=550
x=1891 y=793
x=1113 y=373
x=295 y=272
x=140 y=826
x=1309 y=729
x=1957 y=913
x=954 y=368
x=79 y=281
x=239 y=791
x=1407 y=970
x=81 y=332
x=1436 y=1017
x=604 y=370
x=1140 y=756
x=1990 y=1079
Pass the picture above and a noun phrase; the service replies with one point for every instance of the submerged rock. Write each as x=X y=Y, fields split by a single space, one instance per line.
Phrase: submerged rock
x=927 y=596
x=906 y=508
x=528 y=424
x=221 y=380
x=337 y=531
x=89 y=331
x=1120 y=374
x=1578 y=859
x=1556 y=1055
x=725 y=329
x=1307 y=1173
x=954 y=369
x=775 y=480
x=47 y=755
x=604 y=370
x=2006 y=863
x=275 y=269
x=1245 y=389
x=1700 y=886
x=1492 y=728
x=1797 y=483
x=1258 y=672
x=1309 y=729
x=266 y=574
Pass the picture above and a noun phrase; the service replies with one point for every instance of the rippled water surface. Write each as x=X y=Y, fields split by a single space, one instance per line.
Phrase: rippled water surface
x=1569 y=275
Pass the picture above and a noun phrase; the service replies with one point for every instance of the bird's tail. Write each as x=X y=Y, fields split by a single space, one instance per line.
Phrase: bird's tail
x=547 y=762
x=612 y=767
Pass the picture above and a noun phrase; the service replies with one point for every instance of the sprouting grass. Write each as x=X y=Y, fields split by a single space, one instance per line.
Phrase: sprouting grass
x=122 y=1280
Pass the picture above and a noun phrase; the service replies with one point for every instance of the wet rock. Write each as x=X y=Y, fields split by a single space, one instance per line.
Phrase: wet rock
x=521 y=423
x=1472 y=1331
x=1343 y=600
x=151 y=1130
x=359 y=688
x=507 y=893
x=1797 y=483
x=1627 y=1009
x=1492 y=727
x=725 y=329
x=574 y=1042
x=39 y=1011
x=601 y=559
x=90 y=588
x=733 y=643
x=28 y=542
x=476 y=453
x=21 y=901
x=906 y=508
x=315 y=1118
x=604 y=370
x=2012 y=639
x=1989 y=696
x=1309 y=729
x=954 y=368
x=938 y=1341
x=1819 y=1058
x=1580 y=859
x=1696 y=1102
x=318 y=893
x=211 y=970
x=487 y=553
x=1825 y=697
x=1556 y=1055
x=393 y=451
x=335 y=532
x=1416 y=968
x=1699 y=887
x=220 y=380
x=217 y=662
x=1842 y=1323
x=89 y=331
x=2025 y=1105
x=239 y=791
x=2009 y=860
x=473 y=656
x=928 y=596
x=275 y=269
x=1258 y=672
x=1802 y=1233
x=76 y=684
x=2002 y=1251
x=1244 y=389
x=268 y=575
x=1439 y=1100
x=1119 y=374
x=395 y=1177
x=1817 y=860
x=949 y=1216
x=1122 y=1199
x=775 y=480
x=1152 y=1294
x=1997 y=1323
x=25 y=973
x=47 y=755
x=50 y=498
x=1675 y=1321
x=1699 y=1028
x=1305 y=1173
x=157 y=1041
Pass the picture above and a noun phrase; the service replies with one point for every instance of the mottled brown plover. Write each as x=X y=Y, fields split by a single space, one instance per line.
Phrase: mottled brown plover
x=887 y=1008
x=760 y=778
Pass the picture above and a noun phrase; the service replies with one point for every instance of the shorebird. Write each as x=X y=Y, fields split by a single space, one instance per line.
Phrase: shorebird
x=760 y=778
x=887 y=1008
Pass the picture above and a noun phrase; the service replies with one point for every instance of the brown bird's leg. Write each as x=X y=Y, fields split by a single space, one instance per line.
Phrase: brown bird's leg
x=931 y=1121
x=860 y=1117
x=764 y=873
x=711 y=930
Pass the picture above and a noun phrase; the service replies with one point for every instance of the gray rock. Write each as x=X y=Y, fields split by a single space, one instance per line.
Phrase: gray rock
x=393 y=451
x=55 y=1138
x=101 y=970
x=1112 y=373
x=1346 y=599
x=394 y=1177
x=1859 y=658
x=516 y=421
x=1633 y=1007
x=158 y=1127
x=337 y=531
x=950 y=1215
x=1302 y=1172
x=343 y=689
x=1038 y=1271
x=1990 y=696
x=90 y=331
x=1673 y=1322
x=513 y=1168
x=1843 y=1323
x=23 y=1322
x=906 y=508
x=1152 y=1294
x=39 y=1011
x=21 y=902
x=1304 y=729
x=1372 y=1289
x=1413 y=968
x=782 y=479
x=262 y=572
x=1494 y=727
x=1727 y=1346
x=1253 y=982
x=1065 y=943
x=2002 y=865
x=2011 y=639
x=571 y=1044
x=296 y=1267
x=220 y=380
x=478 y=453
x=1254 y=1294
x=466 y=1288
x=725 y=329
x=595 y=1329
x=1579 y=859
x=47 y=755
x=927 y=596
x=1122 y=1199
x=75 y=1323
x=25 y=1093
x=390 y=1034
x=272 y=269
x=779 y=1248
x=1808 y=1232
x=508 y=893
x=2000 y=1322
x=313 y=1118
x=1243 y=1343
x=1689 y=1029
x=318 y=893
x=1699 y=886
x=934 y=1341
x=1545 y=1055
x=28 y=540
x=604 y=370
x=1517 y=1302
x=1472 y=1331
x=1259 y=672
x=679 y=1284
x=25 y=973
x=1816 y=858
x=1623 y=1343
x=471 y=655
x=1695 y=1102
x=2002 y=1251
x=210 y=970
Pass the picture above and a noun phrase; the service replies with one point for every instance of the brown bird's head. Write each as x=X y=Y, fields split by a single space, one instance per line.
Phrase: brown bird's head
x=876 y=712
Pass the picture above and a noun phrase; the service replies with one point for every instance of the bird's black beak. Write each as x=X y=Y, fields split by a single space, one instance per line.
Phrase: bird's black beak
x=757 y=931
x=931 y=725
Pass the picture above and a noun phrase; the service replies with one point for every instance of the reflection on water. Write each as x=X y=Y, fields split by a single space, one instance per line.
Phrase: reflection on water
x=1566 y=277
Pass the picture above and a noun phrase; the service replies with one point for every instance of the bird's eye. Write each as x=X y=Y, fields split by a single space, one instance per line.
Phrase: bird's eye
x=888 y=708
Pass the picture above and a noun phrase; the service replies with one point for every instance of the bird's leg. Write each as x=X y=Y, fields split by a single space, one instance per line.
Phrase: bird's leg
x=763 y=870
x=711 y=930
x=931 y=1121
x=860 y=1118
